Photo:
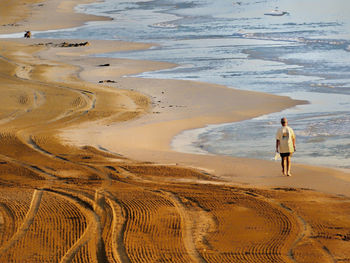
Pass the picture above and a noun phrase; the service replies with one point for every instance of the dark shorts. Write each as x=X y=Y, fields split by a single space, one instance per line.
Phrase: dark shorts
x=285 y=154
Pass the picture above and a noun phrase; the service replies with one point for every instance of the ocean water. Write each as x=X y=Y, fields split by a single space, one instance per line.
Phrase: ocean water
x=304 y=54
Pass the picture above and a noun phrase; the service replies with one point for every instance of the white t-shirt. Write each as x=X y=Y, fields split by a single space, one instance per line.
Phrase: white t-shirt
x=285 y=135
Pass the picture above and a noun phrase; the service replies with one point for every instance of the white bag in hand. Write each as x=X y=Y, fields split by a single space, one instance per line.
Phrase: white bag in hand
x=277 y=156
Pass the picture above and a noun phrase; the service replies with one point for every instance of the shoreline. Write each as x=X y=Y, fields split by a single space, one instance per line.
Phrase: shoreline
x=152 y=133
x=155 y=145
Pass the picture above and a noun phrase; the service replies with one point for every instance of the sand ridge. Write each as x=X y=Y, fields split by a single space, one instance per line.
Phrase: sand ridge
x=77 y=203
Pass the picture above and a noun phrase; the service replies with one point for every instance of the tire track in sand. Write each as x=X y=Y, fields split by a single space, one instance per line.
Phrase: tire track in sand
x=35 y=169
x=118 y=251
x=187 y=226
x=28 y=220
x=7 y=220
x=92 y=231
x=87 y=98
x=270 y=231
x=306 y=230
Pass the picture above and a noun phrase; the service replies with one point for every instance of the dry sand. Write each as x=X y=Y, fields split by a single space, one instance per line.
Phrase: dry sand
x=113 y=190
x=37 y=15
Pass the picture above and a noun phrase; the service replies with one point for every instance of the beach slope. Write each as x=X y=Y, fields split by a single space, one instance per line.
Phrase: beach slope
x=68 y=198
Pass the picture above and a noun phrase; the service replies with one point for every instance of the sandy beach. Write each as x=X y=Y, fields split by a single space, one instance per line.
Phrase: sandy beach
x=88 y=173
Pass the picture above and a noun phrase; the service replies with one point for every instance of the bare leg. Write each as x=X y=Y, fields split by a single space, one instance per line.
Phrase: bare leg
x=283 y=161
x=288 y=165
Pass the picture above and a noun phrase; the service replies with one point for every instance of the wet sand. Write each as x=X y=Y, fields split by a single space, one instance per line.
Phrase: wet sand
x=87 y=173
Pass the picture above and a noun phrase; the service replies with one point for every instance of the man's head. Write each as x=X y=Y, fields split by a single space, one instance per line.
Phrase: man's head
x=284 y=121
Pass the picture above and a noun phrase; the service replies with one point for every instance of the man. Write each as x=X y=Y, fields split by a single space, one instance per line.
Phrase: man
x=27 y=34
x=285 y=145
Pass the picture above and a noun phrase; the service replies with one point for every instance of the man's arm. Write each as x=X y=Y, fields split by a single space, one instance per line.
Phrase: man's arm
x=277 y=145
x=293 y=140
x=294 y=143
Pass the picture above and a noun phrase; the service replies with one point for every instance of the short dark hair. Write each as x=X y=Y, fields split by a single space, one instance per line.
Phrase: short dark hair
x=283 y=120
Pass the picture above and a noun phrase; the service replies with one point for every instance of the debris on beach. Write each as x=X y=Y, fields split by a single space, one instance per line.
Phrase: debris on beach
x=64 y=44
x=107 y=81
x=11 y=24
x=276 y=12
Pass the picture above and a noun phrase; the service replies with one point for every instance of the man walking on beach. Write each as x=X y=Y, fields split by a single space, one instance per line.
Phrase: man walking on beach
x=285 y=145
